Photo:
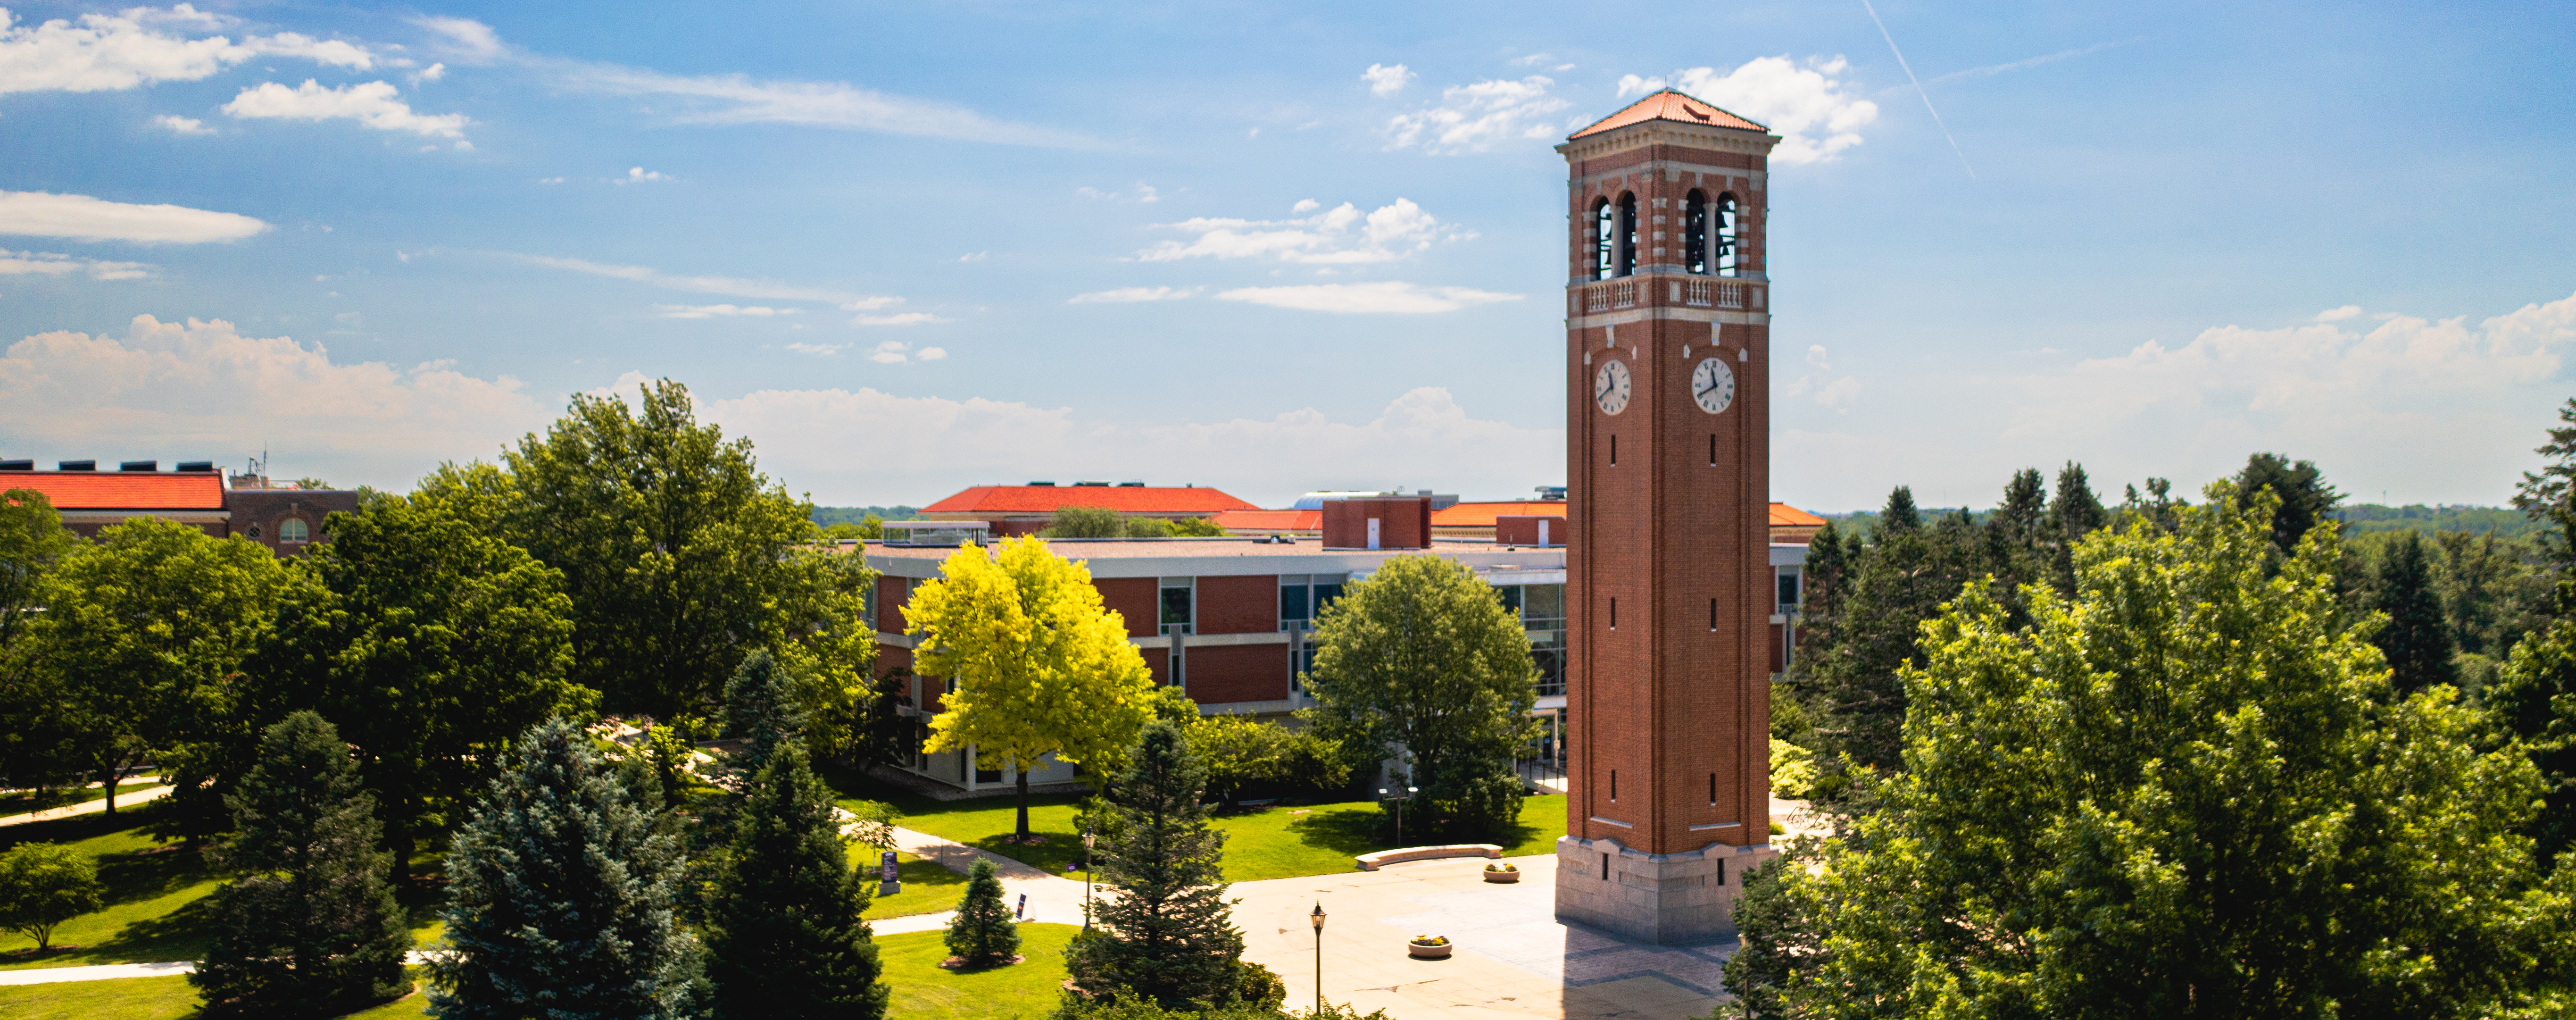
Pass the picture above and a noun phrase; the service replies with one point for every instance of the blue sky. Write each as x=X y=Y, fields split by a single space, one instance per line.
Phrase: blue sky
x=908 y=248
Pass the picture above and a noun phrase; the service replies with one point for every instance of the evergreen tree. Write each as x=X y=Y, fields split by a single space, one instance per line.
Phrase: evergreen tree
x=761 y=709
x=1903 y=579
x=1775 y=943
x=1899 y=513
x=2305 y=497
x=311 y=928
x=784 y=937
x=2076 y=511
x=983 y=934
x=2534 y=701
x=2550 y=495
x=1165 y=936
x=560 y=894
x=2417 y=638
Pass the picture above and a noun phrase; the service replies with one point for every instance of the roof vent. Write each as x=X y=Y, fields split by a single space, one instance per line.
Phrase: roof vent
x=1095 y=485
x=138 y=465
x=1049 y=485
x=1131 y=485
x=17 y=465
x=76 y=465
x=204 y=466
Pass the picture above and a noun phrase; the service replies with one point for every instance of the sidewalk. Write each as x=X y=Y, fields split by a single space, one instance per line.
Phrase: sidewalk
x=123 y=800
x=1052 y=899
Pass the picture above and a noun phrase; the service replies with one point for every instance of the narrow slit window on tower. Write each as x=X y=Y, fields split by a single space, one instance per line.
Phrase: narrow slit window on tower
x=1614 y=784
x=1605 y=867
x=1614 y=614
x=1605 y=241
x=1712 y=614
x=1614 y=451
x=1712 y=789
x=1628 y=234
x=1695 y=233
x=1725 y=244
x=1712 y=449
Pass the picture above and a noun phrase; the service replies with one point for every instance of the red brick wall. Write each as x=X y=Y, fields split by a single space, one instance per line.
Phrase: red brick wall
x=1231 y=673
x=1402 y=523
x=1238 y=605
x=1511 y=529
x=1135 y=598
x=889 y=604
x=1159 y=661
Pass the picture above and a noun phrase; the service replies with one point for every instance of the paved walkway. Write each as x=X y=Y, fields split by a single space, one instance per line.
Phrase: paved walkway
x=1051 y=899
x=127 y=799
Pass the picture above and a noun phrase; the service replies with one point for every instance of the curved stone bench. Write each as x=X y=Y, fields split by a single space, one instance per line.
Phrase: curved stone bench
x=1371 y=862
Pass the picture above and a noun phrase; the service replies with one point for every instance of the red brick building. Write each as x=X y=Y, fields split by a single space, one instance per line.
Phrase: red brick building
x=284 y=519
x=1025 y=509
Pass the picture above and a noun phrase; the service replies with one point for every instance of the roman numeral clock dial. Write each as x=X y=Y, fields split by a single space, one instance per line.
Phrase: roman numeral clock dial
x=1610 y=387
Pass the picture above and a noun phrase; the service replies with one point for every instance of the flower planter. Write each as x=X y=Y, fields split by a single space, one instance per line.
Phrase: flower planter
x=1499 y=875
x=1420 y=951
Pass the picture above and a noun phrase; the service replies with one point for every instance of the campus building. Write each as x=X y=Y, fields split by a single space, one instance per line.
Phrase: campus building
x=285 y=519
x=1008 y=510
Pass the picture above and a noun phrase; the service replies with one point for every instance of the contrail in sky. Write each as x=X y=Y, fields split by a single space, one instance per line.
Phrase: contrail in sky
x=1918 y=87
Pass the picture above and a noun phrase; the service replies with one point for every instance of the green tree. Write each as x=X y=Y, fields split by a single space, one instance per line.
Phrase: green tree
x=1867 y=638
x=1900 y=514
x=1037 y=665
x=43 y=885
x=1165 y=937
x=33 y=751
x=2533 y=700
x=762 y=710
x=310 y=928
x=983 y=933
x=2305 y=498
x=561 y=887
x=2417 y=637
x=1775 y=943
x=142 y=633
x=1085 y=522
x=681 y=557
x=1423 y=658
x=1238 y=750
x=784 y=937
x=2184 y=792
x=2074 y=513
x=1197 y=527
x=432 y=643
x=2549 y=495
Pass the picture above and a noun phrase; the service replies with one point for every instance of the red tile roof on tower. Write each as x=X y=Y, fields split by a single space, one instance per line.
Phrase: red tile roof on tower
x=1044 y=499
x=121 y=490
x=1673 y=106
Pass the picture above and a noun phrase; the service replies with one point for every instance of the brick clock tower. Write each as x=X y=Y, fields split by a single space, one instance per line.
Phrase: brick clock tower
x=1669 y=591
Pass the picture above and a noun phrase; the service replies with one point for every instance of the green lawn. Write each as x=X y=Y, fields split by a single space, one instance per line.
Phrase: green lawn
x=923 y=991
x=1275 y=842
x=156 y=909
x=153 y=998
x=927 y=887
x=21 y=803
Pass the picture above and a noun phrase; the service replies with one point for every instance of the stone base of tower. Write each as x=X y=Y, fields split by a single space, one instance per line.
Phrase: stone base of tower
x=1665 y=899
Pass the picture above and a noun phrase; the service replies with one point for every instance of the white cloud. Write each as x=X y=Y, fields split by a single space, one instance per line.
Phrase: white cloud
x=550 y=180
x=894 y=352
x=904 y=319
x=1478 y=117
x=639 y=175
x=738 y=99
x=818 y=350
x=110 y=52
x=2338 y=314
x=1142 y=194
x=725 y=285
x=1366 y=298
x=1815 y=115
x=1125 y=295
x=1828 y=389
x=44 y=214
x=927 y=447
x=431 y=73
x=1386 y=81
x=870 y=304
x=182 y=125
x=464 y=40
x=369 y=103
x=1340 y=235
x=1306 y=205
x=975 y=256
x=37 y=263
x=712 y=311
x=203 y=389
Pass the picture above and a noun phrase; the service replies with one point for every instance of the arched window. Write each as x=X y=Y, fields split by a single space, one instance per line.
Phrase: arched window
x=1627 y=234
x=1725 y=253
x=1695 y=232
x=1605 y=241
x=291 y=530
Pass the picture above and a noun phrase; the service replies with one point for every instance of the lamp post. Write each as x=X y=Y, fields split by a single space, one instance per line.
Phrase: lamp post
x=1399 y=799
x=1090 y=833
x=1318 y=918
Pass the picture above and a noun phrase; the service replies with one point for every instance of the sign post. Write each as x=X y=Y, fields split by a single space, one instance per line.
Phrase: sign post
x=889 y=883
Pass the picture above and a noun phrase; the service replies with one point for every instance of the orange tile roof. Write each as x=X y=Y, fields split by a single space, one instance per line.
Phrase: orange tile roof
x=1670 y=105
x=121 y=490
x=1785 y=516
x=1270 y=520
x=1047 y=499
x=1481 y=515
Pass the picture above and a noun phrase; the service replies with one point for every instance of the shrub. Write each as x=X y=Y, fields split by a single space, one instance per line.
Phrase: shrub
x=43 y=885
x=983 y=934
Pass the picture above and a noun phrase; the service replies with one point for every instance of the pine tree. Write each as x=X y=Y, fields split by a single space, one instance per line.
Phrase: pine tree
x=761 y=709
x=1899 y=513
x=2417 y=639
x=784 y=937
x=2074 y=513
x=983 y=934
x=2305 y=497
x=1166 y=935
x=311 y=927
x=560 y=890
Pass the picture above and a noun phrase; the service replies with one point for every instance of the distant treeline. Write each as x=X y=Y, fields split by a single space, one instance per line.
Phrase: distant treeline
x=827 y=516
x=2358 y=519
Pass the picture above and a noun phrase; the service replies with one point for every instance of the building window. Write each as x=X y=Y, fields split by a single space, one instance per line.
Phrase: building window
x=291 y=531
x=1789 y=591
x=1695 y=232
x=1725 y=244
x=1605 y=241
x=1542 y=610
x=1180 y=597
x=1628 y=234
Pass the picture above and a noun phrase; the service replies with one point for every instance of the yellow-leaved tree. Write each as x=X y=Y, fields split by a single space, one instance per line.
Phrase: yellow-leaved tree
x=1036 y=664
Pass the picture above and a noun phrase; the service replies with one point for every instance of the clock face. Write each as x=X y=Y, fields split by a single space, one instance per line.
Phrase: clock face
x=1713 y=386
x=1610 y=387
